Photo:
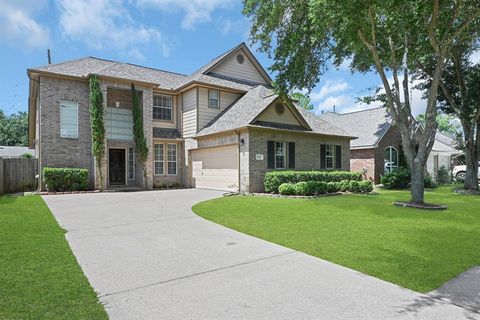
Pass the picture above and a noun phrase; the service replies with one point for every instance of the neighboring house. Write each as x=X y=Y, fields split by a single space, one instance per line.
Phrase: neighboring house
x=221 y=127
x=378 y=146
x=443 y=151
x=15 y=152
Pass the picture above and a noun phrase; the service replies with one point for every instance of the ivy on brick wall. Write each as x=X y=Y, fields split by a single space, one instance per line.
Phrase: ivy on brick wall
x=138 y=134
x=96 y=121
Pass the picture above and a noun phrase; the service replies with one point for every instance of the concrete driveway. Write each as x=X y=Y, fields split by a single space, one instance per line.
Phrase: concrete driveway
x=149 y=257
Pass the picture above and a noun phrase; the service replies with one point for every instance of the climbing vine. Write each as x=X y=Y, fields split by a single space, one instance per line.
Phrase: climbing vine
x=138 y=135
x=98 y=129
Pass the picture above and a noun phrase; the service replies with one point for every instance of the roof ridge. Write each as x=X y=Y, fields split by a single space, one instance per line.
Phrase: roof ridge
x=136 y=65
x=220 y=56
x=364 y=110
x=60 y=63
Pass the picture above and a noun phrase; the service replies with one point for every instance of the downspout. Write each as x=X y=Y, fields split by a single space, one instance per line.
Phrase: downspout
x=238 y=145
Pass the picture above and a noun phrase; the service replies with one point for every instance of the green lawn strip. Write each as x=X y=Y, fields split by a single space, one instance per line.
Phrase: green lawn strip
x=39 y=276
x=413 y=248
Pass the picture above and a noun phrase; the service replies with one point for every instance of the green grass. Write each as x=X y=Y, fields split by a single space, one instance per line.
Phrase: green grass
x=413 y=248
x=39 y=276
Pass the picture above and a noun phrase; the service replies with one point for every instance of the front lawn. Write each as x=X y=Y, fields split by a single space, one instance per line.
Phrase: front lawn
x=413 y=248
x=39 y=276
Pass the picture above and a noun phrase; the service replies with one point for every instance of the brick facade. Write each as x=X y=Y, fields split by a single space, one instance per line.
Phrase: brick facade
x=372 y=159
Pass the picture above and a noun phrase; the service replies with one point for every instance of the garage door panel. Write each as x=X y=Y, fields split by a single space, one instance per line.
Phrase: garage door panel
x=215 y=168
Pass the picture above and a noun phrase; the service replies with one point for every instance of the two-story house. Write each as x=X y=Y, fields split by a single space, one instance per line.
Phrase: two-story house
x=221 y=127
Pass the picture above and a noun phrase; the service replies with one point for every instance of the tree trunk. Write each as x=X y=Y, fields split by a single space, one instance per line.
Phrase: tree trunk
x=417 y=181
x=471 y=160
x=471 y=174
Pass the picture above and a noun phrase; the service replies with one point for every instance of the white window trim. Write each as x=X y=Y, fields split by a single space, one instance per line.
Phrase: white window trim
x=176 y=159
x=391 y=167
x=331 y=156
x=284 y=149
x=133 y=161
x=218 y=99
x=77 y=134
x=163 y=107
x=162 y=160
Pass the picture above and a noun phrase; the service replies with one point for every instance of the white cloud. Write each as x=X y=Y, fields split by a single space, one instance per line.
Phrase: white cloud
x=195 y=11
x=19 y=26
x=328 y=88
x=229 y=27
x=339 y=102
x=107 y=24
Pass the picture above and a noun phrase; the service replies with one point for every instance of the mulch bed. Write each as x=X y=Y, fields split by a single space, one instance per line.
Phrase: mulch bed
x=424 y=206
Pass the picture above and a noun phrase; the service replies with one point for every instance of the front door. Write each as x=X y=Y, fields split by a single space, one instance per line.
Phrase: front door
x=116 y=167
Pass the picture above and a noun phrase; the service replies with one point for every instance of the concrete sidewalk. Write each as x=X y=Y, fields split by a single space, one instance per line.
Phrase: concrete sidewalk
x=149 y=257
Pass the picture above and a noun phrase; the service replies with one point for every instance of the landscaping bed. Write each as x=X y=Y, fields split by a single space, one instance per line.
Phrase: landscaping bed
x=412 y=248
x=39 y=276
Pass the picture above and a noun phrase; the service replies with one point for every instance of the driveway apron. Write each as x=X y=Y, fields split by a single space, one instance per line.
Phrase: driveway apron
x=148 y=256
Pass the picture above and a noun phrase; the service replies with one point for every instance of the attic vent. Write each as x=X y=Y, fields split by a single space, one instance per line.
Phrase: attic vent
x=240 y=58
x=279 y=108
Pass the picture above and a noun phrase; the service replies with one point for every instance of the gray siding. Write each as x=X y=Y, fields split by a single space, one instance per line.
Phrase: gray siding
x=189 y=113
x=245 y=71
x=206 y=114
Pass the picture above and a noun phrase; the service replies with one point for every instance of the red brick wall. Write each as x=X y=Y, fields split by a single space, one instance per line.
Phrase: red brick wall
x=361 y=159
x=391 y=138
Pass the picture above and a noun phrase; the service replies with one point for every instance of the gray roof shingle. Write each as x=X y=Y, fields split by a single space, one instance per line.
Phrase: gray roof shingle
x=368 y=125
x=242 y=112
x=164 y=133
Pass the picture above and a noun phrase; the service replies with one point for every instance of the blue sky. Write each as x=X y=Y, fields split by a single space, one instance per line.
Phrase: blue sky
x=174 y=35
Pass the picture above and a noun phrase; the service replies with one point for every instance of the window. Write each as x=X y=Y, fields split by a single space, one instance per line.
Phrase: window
x=329 y=156
x=131 y=164
x=279 y=155
x=172 y=158
x=391 y=159
x=68 y=119
x=214 y=99
x=162 y=107
x=159 y=154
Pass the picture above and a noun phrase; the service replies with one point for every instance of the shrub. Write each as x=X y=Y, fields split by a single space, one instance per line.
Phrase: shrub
x=444 y=176
x=65 y=179
x=354 y=186
x=26 y=156
x=365 y=186
x=287 y=189
x=397 y=179
x=344 y=185
x=320 y=187
x=333 y=187
x=428 y=181
x=274 y=179
x=301 y=188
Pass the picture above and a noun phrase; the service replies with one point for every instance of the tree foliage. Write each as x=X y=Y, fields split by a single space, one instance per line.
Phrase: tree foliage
x=390 y=37
x=14 y=129
x=445 y=123
x=96 y=122
x=303 y=100
x=138 y=134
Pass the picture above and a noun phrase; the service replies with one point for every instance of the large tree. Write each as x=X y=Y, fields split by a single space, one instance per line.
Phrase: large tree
x=13 y=129
x=386 y=36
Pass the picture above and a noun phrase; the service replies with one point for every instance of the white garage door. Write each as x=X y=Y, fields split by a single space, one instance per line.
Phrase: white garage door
x=215 y=168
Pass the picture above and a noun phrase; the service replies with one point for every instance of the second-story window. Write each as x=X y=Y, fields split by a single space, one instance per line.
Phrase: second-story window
x=214 y=99
x=162 y=107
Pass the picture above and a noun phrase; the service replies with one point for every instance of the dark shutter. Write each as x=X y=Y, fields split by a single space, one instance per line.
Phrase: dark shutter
x=322 y=157
x=271 y=154
x=338 y=157
x=291 y=155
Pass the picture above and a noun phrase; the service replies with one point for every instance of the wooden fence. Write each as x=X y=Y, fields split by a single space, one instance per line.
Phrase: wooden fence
x=18 y=175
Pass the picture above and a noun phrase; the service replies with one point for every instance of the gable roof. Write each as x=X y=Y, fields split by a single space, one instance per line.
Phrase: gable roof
x=368 y=125
x=444 y=143
x=84 y=67
x=243 y=112
x=205 y=69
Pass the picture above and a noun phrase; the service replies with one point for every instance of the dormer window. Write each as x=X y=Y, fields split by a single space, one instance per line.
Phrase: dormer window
x=162 y=107
x=214 y=99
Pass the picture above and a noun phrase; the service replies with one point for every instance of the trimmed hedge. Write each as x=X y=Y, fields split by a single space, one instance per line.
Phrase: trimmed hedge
x=310 y=188
x=274 y=179
x=65 y=179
